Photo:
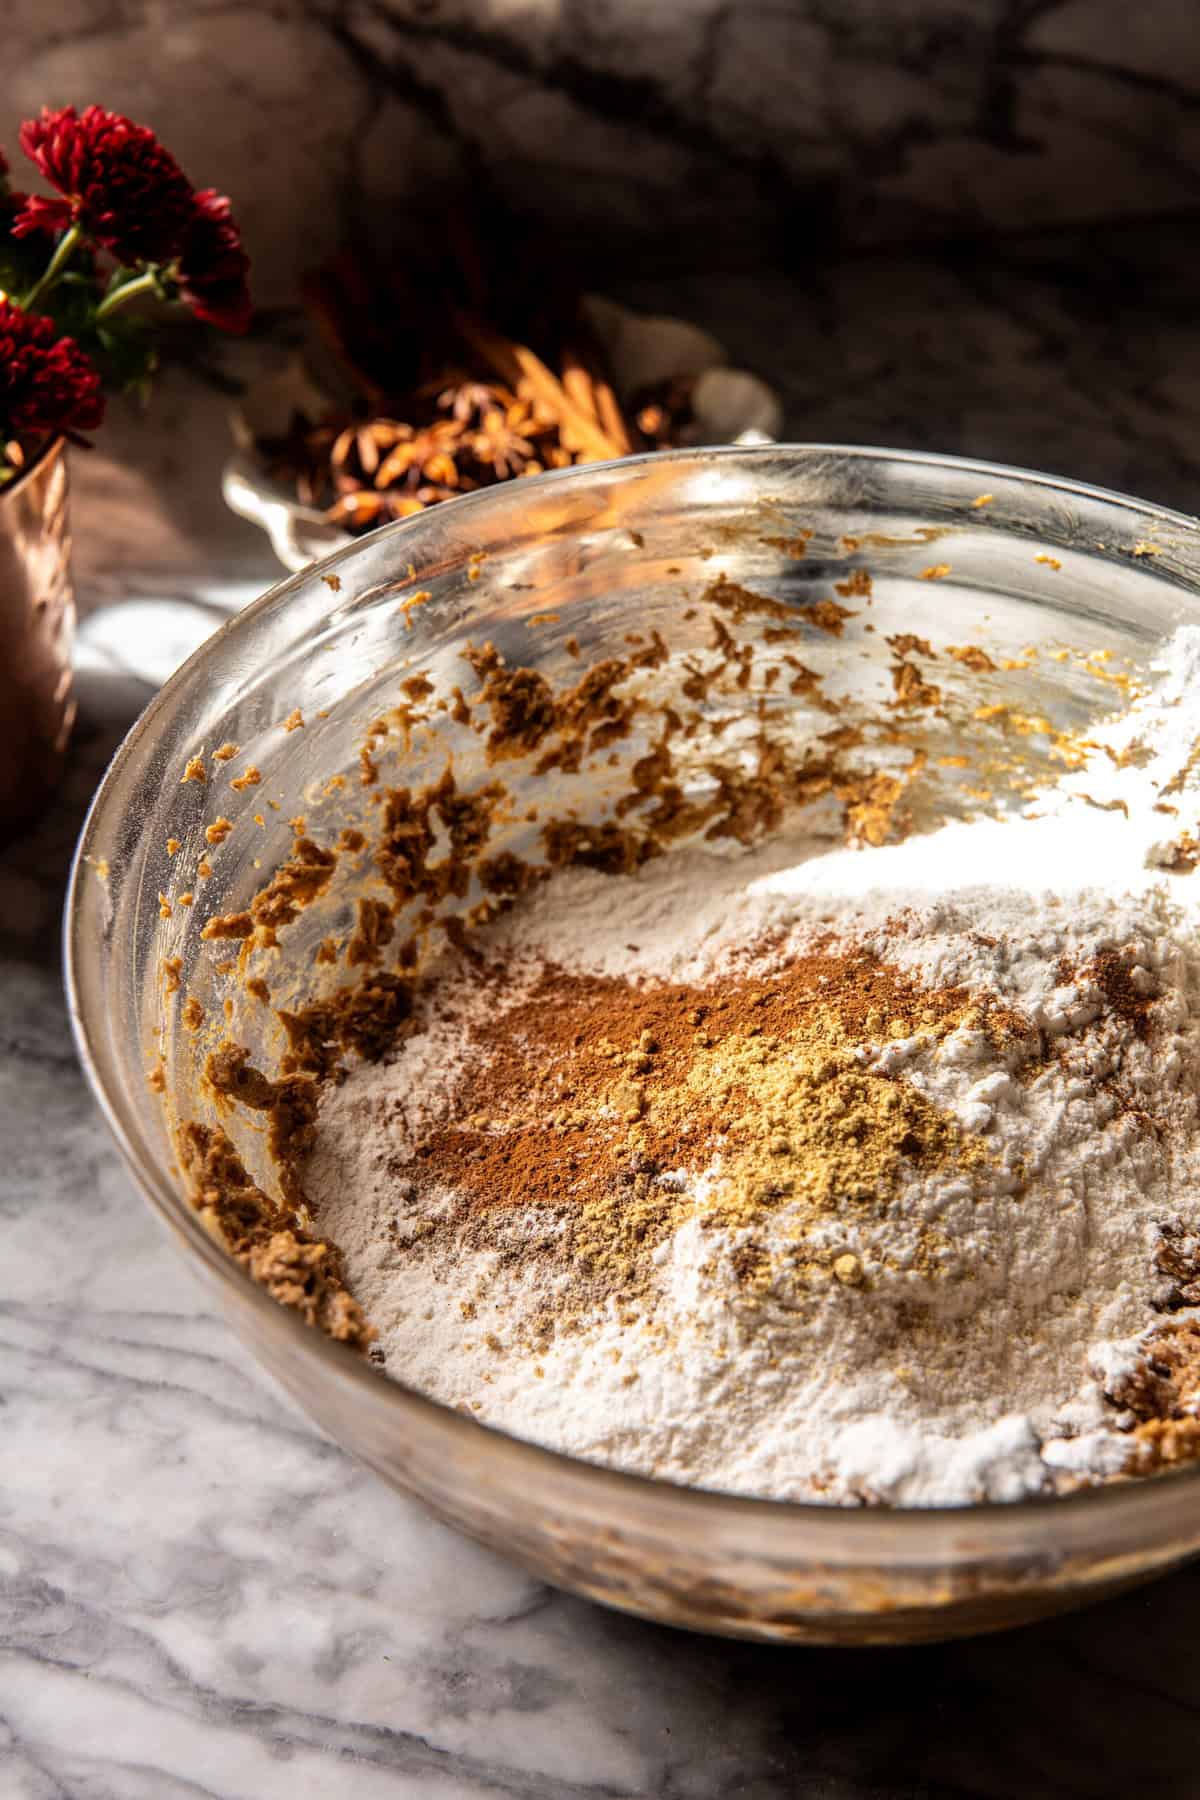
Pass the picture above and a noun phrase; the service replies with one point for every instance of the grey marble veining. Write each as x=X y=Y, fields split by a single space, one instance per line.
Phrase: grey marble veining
x=681 y=132
x=200 y=1597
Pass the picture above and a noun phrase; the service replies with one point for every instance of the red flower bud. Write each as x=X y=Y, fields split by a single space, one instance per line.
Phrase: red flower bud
x=47 y=384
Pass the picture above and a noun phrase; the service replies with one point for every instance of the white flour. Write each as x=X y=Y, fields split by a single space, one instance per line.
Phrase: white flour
x=981 y=1378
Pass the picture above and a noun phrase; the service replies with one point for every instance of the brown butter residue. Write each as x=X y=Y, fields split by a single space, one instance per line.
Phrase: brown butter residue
x=300 y=1271
x=1163 y=1393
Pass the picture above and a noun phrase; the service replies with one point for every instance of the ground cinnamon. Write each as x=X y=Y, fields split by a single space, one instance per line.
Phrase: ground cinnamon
x=595 y=1096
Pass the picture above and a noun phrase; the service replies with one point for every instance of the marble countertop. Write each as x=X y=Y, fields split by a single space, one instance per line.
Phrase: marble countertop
x=201 y=1596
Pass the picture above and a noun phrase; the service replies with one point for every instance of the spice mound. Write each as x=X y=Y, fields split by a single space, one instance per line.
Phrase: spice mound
x=783 y=1194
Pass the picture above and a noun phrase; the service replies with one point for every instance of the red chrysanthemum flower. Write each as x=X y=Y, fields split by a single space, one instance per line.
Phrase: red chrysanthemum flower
x=115 y=181
x=213 y=265
x=47 y=384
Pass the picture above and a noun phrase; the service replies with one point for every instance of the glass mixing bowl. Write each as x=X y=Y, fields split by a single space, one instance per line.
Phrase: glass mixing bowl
x=977 y=552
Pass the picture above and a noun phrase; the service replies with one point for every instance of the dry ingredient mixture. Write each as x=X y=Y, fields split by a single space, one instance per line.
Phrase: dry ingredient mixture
x=852 y=1178
x=860 y=1171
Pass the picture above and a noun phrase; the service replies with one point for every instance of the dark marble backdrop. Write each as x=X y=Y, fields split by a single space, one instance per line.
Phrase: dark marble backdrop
x=671 y=133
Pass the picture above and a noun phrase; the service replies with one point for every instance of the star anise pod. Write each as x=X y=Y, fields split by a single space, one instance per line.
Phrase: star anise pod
x=367 y=507
x=423 y=457
x=482 y=409
x=360 y=449
x=441 y=470
x=470 y=402
x=525 y=416
x=431 y=493
x=360 y=510
x=498 y=448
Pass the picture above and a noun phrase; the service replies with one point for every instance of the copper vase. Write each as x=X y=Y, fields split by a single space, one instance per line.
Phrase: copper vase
x=37 y=628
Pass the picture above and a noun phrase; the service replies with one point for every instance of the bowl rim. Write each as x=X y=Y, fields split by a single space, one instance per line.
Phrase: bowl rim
x=338 y=1360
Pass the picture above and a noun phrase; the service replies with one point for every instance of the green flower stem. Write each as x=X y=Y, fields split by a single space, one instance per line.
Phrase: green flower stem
x=146 y=283
x=54 y=268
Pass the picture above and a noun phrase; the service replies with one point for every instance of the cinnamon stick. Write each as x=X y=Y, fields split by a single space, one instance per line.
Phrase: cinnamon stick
x=517 y=364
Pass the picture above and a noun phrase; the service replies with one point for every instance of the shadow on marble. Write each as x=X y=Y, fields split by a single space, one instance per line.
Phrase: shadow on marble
x=1103 y=1702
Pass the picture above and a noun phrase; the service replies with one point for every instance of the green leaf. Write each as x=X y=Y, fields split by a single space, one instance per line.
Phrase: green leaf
x=121 y=346
x=126 y=355
x=71 y=304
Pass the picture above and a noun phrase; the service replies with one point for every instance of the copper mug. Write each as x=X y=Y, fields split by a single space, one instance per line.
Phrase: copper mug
x=37 y=628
